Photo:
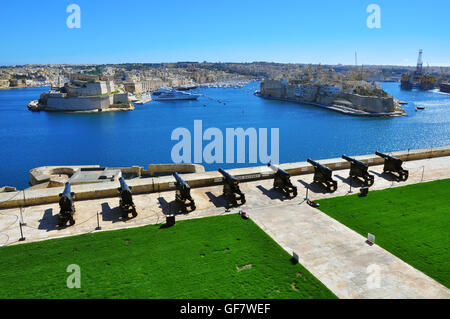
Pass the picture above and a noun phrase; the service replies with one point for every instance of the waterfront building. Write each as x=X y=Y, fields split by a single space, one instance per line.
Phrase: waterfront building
x=79 y=95
x=354 y=95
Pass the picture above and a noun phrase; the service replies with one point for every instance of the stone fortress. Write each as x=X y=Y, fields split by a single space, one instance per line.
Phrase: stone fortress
x=335 y=91
x=83 y=93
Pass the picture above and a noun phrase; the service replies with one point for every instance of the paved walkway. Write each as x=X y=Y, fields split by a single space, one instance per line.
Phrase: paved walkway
x=341 y=258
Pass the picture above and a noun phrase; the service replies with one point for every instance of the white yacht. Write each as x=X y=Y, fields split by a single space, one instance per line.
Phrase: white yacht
x=167 y=94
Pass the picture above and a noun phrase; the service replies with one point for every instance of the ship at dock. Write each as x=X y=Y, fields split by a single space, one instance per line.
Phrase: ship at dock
x=168 y=94
x=418 y=79
x=445 y=87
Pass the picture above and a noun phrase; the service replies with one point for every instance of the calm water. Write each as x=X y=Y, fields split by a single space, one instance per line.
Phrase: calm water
x=142 y=136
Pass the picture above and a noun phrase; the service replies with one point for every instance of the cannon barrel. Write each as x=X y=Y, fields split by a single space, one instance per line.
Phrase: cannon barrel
x=66 y=199
x=66 y=206
x=318 y=165
x=386 y=156
x=123 y=185
x=354 y=161
x=181 y=182
x=228 y=176
x=278 y=170
x=66 y=193
x=313 y=163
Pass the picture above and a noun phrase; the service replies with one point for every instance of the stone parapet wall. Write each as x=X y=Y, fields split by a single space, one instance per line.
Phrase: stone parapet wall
x=164 y=183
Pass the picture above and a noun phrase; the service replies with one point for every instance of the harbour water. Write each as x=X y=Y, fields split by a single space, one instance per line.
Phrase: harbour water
x=143 y=136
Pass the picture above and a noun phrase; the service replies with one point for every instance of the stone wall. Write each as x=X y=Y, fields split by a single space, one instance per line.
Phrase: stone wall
x=78 y=103
x=91 y=88
x=371 y=104
x=120 y=98
x=327 y=95
x=149 y=185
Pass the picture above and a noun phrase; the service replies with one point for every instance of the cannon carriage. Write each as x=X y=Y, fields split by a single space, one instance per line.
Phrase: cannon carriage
x=394 y=165
x=67 y=207
x=126 y=203
x=359 y=170
x=231 y=190
x=282 y=182
x=183 y=194
x=323 y=176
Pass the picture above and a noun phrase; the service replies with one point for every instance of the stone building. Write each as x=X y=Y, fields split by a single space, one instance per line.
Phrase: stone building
x=4 y=83
x=330 y=94
x=80 y=95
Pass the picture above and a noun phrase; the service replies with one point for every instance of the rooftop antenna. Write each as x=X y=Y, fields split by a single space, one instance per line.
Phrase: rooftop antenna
x=356 y=58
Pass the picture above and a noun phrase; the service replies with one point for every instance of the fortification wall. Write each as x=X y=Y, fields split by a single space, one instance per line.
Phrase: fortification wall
x=119 y=98
x=371 y=104
x=78 y=103
x=150 y=185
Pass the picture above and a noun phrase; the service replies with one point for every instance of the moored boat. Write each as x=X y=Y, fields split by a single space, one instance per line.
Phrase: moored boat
x=167 y=94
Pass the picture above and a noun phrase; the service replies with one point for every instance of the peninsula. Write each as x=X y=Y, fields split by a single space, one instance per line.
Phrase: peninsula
x=347 y=94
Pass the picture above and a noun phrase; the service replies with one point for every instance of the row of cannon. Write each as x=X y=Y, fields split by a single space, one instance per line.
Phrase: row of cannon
x=231 y=191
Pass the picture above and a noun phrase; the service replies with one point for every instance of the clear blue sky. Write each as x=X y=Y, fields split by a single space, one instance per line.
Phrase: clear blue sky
x=297 y=31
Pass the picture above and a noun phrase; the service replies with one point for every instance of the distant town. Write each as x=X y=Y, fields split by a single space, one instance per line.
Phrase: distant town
x=353 y=90
x=192 y=73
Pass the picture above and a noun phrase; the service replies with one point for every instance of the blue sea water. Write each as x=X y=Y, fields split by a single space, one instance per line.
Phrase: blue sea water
x=143 y=136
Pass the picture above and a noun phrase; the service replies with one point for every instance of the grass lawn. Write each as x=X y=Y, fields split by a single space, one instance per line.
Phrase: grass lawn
x=412 y=222
x=216 y=257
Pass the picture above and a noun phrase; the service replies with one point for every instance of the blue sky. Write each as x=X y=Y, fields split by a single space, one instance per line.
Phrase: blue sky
x=292 y=31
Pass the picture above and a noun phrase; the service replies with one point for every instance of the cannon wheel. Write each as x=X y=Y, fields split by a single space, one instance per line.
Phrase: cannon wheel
x=404 y=176
x=134 y=212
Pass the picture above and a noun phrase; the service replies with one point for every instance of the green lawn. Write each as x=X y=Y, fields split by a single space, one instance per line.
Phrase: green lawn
x=216 y=257
x=412 y=222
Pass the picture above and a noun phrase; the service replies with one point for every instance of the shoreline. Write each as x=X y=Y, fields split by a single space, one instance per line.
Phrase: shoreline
x=34 y=106
x=335 y=108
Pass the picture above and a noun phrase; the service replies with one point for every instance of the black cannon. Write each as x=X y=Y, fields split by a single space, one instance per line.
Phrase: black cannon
x=67 y=208
x=126 y=200
x=393 y=165
x=282 y=182
x=231 y=190
x=323 y=176
x=183 y=193
x=360 y=169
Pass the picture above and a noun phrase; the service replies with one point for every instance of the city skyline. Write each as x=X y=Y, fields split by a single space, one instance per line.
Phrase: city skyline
x=232 y=31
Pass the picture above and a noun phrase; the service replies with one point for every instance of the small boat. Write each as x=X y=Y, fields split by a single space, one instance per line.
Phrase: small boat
x=420 y=108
